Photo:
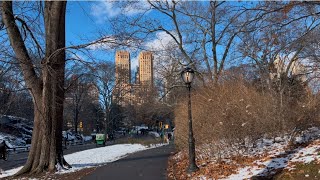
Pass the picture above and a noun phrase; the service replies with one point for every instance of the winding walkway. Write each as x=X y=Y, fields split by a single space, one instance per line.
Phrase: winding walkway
x=149 y=164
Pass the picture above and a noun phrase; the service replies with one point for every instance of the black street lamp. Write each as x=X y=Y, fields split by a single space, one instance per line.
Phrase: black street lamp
x=187 y=76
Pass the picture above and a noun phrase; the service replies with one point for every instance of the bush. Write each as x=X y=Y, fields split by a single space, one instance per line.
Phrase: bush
x=233 y=115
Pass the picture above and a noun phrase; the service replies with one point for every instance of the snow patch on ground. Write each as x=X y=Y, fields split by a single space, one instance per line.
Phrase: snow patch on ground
x=155 y=134
x=100 y=156
x=277 y=157
x=87 y=138
x=265 y=159
x=9 y=172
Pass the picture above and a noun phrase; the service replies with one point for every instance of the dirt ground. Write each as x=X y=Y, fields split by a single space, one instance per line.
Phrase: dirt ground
x=74 y=176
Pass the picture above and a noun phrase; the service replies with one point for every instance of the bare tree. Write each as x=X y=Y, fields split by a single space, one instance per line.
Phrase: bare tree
x=13 y=94
x=78 y=94
x=46 y=87
x=105 y=77
x=277 y=42
x=279 y=32
x=82 y=100
x=205 y=33
x=5 y=87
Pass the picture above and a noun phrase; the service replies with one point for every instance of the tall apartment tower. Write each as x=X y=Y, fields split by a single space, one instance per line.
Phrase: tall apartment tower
x=123 y=69
x=146 y=68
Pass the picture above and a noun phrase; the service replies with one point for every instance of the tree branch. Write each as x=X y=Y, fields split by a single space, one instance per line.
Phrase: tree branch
x=32 y=80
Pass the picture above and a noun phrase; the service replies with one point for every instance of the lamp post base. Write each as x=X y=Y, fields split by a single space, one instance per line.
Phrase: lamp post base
x=192 y=168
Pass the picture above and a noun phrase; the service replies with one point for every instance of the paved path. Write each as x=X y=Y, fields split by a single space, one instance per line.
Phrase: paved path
x=149 y=165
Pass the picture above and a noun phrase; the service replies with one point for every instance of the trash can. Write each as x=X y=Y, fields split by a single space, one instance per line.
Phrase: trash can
x=100 y=139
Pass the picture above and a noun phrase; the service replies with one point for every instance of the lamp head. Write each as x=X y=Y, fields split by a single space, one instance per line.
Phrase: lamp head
x=187 y=75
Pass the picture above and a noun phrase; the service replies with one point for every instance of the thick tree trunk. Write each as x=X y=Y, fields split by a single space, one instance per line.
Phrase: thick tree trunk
x=47 y=91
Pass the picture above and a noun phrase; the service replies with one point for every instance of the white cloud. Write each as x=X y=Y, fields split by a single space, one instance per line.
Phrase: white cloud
x=160 y=43
x=136 y=8
x=103 y=10
x=164 y=48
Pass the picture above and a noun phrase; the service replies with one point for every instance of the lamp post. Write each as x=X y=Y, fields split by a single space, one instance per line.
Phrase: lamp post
x=187 y=76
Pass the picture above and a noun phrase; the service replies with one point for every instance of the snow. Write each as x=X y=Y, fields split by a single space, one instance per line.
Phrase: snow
x=15 y=117
x=138 y=128
x=277 y=156
x=27 y=130
x=2 y=137
x=268 y=156
x=68 y=135
x=94 y=157
x=87 y=138
x=9 y=172
x=8 y=144
x=8 y=138
x=154 y=134
x=99 y=156
x=18 y=142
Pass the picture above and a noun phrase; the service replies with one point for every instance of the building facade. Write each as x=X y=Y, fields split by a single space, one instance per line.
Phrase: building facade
x=123 y=67
x=296 y=68
x=146 y=68
x=126 y=92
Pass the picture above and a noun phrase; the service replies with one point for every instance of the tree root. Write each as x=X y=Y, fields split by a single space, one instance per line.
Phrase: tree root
x=24 y=170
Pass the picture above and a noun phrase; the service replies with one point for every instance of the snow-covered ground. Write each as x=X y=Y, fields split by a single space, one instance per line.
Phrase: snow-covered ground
x=274 y=154
x=12 y=141
x=278 y=156
x=278 y=159
x=94 y=157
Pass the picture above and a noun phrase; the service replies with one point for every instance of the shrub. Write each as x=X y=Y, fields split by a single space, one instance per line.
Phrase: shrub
x=233 y=115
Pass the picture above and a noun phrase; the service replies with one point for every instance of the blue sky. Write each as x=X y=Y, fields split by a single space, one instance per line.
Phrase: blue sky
x=82 y=27
x=84 y=21
x=79 y=21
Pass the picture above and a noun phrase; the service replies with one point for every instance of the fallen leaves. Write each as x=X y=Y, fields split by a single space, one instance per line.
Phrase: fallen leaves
x=209 y=169
x=282 y=159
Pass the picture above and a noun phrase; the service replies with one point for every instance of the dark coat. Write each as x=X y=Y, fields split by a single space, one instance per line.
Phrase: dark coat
x=2 y=149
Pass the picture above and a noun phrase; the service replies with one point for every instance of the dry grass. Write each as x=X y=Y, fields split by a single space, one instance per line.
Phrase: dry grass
x=234 y=116
x=177 y=167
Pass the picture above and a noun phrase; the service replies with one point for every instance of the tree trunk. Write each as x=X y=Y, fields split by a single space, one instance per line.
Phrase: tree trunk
x=76 y=116
x=47 y=91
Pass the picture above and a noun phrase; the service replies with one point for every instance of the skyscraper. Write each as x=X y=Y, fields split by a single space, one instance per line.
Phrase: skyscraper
x=146 y=68
x=123 y=69
x=125 y=92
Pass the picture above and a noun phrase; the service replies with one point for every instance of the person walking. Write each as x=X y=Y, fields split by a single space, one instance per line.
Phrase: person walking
x=3 y=150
